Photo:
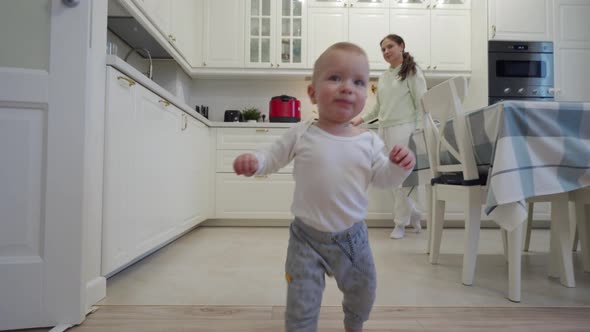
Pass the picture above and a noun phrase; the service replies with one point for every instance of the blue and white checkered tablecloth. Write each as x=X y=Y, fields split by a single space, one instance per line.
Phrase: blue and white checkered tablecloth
x=533 y=148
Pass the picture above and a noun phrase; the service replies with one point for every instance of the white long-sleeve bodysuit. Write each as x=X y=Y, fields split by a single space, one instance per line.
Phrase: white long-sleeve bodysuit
x=332 y=174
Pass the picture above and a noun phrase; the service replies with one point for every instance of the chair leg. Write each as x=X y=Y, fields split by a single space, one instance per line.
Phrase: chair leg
x=529 y=227
x=504 y=235
x=560 y=222
x=573 y=229
x=429 y=210
x=582 y=211
x=472 y=229
x=437 y=227
x=514 y=263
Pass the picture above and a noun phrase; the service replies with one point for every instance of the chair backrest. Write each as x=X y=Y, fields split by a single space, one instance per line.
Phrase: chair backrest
x=441 y=104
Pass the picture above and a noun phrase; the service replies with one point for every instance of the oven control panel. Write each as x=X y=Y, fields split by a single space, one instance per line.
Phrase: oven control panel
x=523 y=91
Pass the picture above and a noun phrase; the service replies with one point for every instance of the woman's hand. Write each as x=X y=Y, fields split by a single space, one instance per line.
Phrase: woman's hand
x=246 y=164
x=356 y=121
x=403 y=157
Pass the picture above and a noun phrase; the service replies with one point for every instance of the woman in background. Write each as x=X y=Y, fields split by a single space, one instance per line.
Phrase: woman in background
x=398 y=109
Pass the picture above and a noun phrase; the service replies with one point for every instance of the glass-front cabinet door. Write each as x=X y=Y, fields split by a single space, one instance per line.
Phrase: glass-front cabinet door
x=291 y=27
x=259 y=38
x=275 y=34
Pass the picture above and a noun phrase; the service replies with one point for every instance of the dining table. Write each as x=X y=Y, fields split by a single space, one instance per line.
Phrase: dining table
x=531 y=149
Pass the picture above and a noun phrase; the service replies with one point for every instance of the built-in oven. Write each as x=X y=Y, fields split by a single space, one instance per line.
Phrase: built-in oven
x=520 y=71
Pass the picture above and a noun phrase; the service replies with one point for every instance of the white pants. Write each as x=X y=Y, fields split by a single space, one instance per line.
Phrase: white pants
x=403 y=204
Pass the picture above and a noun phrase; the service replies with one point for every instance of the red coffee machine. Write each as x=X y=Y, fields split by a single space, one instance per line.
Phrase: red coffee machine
x=284 y=108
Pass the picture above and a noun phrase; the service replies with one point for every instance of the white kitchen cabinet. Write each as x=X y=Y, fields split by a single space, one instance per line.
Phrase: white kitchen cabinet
x=380 y=204
x=186 y=29
x=158 y=11
x=179 y=22
x=349 y=3
x=257 y=197
x=362 y=26
x=527 y=20
x=572 y=50
x=223 y=39
x=426 y=33
x=440 y=4
x=156 y=167
x=275 y=34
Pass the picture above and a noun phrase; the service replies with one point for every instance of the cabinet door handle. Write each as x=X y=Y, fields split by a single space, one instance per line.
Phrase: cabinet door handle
x=128 y=80
x=493 y=31
x=262 y=130
x=434 y=67
x=428 y=67
x=433 y=6
x=184 y=122
x=164 y=102
x=261 y=176
x=278 y=65
x=271 y=65
x=172 y=38
x=428 y=7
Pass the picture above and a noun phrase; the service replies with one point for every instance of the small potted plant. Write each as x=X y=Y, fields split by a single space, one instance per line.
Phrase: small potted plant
x=251 y=114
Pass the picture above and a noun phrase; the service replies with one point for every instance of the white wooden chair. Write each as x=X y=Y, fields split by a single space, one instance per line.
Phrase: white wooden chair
x=461 y=183
x=529 y=224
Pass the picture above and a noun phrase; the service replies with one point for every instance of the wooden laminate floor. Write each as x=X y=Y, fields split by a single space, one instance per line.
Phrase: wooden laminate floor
x=176 y=318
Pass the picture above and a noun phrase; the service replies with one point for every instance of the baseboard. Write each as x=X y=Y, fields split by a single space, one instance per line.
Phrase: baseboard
x=96 y=290
x=370 y=223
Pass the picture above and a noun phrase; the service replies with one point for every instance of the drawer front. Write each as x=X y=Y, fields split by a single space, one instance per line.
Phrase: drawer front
x=266 y=197
x=247 y=138
x=225 y=161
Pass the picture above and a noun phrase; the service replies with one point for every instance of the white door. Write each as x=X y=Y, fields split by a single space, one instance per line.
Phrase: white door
x=44 y=80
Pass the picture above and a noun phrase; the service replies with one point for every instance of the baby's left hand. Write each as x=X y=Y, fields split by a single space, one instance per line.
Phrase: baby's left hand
x=403 y=157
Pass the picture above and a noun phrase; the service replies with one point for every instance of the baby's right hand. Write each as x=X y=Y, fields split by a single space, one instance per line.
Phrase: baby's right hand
x=246 y=164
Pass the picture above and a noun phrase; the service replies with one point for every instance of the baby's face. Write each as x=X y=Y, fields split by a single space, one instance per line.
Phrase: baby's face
x=339 y=87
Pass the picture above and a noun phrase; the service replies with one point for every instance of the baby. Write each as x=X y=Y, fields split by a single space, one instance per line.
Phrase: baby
x=334 y=164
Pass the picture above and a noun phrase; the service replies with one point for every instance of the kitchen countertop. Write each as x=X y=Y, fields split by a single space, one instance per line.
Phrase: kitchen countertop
x=127 y=69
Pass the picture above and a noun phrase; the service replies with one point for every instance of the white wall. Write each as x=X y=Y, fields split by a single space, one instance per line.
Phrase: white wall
x=236 y=94
x=30 y=47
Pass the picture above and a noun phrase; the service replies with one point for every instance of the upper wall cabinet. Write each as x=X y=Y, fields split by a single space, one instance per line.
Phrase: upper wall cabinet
x=186 y=29
x=527 y=20
x=223 y=45
x=275 y=34
x=177 y=22
x=350 y=21
x=426 y=32
x=428 y=4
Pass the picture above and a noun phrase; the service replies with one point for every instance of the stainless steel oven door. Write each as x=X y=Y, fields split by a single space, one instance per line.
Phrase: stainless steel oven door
x=520 y=74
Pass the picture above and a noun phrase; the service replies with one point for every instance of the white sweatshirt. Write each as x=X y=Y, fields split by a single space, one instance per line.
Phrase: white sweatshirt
x=332 y=174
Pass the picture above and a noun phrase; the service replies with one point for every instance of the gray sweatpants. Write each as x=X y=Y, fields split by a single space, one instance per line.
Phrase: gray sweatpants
x=344 y=255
